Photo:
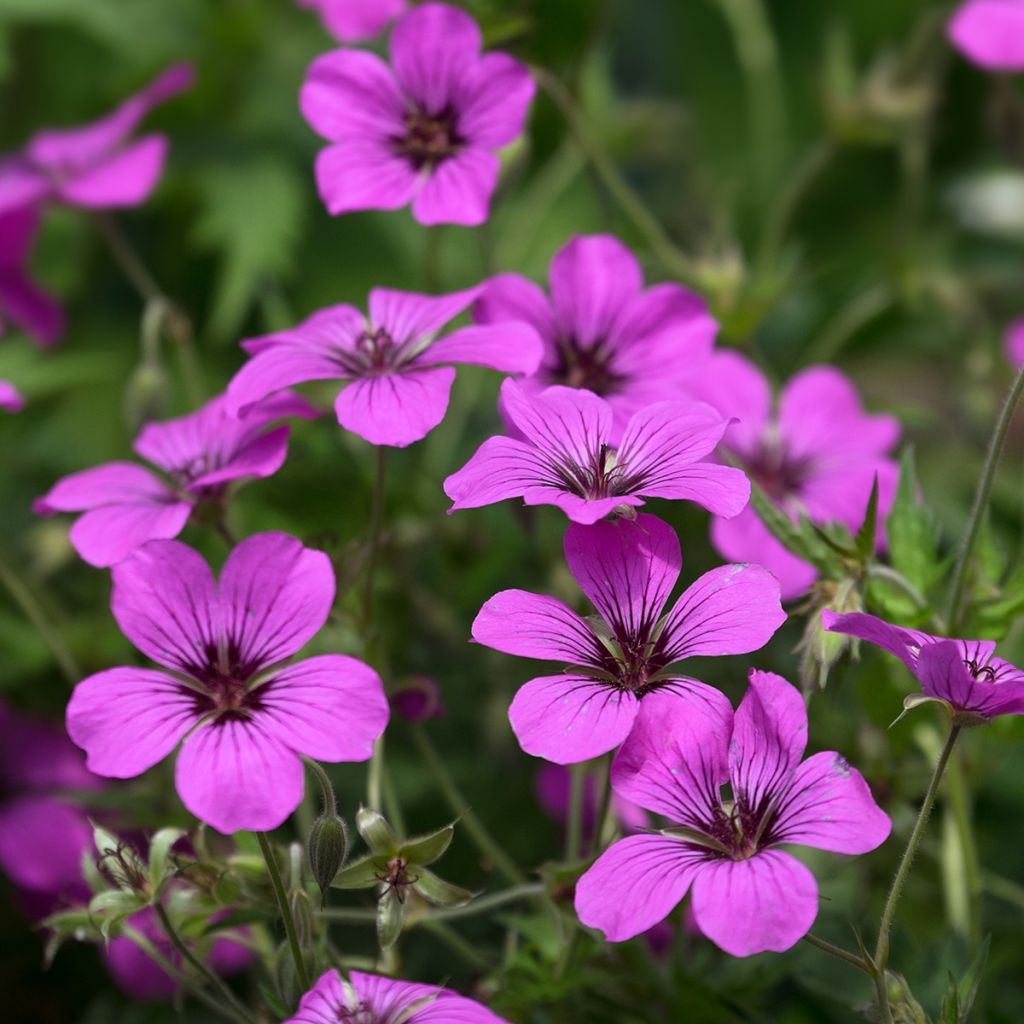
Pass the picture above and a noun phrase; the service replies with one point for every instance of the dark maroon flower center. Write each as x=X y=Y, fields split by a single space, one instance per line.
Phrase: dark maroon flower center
x=602 y=477
x=777 y=473
x=980 y=672
x=224 y=692
x=740 y=831
x=396 y=878
x=374 y=354
x=361 y=1014
x=590 y=367
x=429 y=139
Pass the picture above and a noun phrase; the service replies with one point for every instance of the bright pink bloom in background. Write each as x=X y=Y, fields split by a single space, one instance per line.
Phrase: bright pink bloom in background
x=11 y=399
x=815 y=453
x=603 y=331
x=395 y=361
x=990 y=33
x=1014 y=344
x=627 y=570
x=422 y=131
x=352 y=21
x=98 y=166
x=563 y=456
x=202 y=453
x=42 y=836
x=965 y=674
x=21 y=302
x=244 y=716
x=553 y=784
x=747 y=895
x=373 y=999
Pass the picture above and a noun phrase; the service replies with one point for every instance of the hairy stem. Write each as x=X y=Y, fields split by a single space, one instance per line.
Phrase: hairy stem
x=481 y=905
x=285 y=910
x=837 y=951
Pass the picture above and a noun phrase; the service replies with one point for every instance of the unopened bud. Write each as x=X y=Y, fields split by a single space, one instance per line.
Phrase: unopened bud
x=417 y=699
x=302 y=914
x=327 y=847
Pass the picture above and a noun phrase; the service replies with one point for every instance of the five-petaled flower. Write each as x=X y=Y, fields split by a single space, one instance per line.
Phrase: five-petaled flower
x=241 y=715
x=422 y=131
x=816 y=454
x=201 y=454
x=603 y=331
x=564 y=456
x=21 y=301
x=372 y=999
x=395 y=362
x=965 y=674
x=990 y=33
x=748 y=896
x=98 y=166
x=352 y=21
x=627 y=570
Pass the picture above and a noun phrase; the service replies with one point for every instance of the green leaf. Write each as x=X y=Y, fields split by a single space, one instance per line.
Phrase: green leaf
x=253 y=214
x=864 y=540
x=439 y=892
x=912 y=534
x=361 y=874
x=159 y=851
x=390 y=917
x=427 y=848
x=376 y=832
x=799 y=538
x=958 y=1002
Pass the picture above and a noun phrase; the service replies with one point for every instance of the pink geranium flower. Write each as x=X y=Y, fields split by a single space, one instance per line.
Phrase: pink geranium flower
x=564 y=456
x=201 y=454
x=1014 y=344
x=21 y=302
x=396 y=362
x=241 y=715
x=373 y=999
x=99 y=166
x=603 y=331
x=42 y=836
x=747 y=895
x=990 y=33
x=815 y=453
x=11 y=399
x=627 y=570
x=352 y=21
x=422 y=131
x=965 y=674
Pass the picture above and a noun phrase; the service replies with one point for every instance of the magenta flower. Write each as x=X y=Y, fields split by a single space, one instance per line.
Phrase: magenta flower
x=201 y=454
x=1014 y=344
x=747 y=895
x=817 y=454
x=603 y=331
x=352 y=21
x=627 y=570
x=965 y=674
x=21 y=302
x=42 y=836
x=396 y=364
x=372 y=999
x=564 y=457
x=423 y=131
x=990 y=33
x=99 y=166
x=241 y=715
x=11 y=399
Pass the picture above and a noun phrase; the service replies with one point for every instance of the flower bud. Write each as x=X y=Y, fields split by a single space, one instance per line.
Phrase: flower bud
x=327 y=847
x=302 y=914
x=418 y=699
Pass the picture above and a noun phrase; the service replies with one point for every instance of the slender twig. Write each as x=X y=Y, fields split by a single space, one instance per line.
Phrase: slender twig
x=285 y=910
x=574 y=825
x=958 y=585
x=605 y=811
x=838 y=951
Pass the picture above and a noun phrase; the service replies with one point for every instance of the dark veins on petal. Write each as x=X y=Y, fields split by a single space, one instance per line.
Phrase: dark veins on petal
x=590 y=367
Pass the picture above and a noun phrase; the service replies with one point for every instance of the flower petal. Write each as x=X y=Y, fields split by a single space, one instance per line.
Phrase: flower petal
x=11 y=399
x=989 y=33
x=514 y=297
x=535 y=626
x=768 y=902
x=331 y=708
x=363 y=175
x=626 y=569
x=943 y=672
x=500 y=468
x=233 y=775
x=740 y=392
x=897 y=640
x=109 y=484
x=458 y=190
x=21 y=185
x=494 y=95
x=636 y=883
x=510 y=347
x=263 y=456
x=108 y=535
x=41 y=844
x=353 y=21
x=275 y=596
x=397 y=409
x=125 y=178
x=129 y=719
x=409 y=317
x=567 y=719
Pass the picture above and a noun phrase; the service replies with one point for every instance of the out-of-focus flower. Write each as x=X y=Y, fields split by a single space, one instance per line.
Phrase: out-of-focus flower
x=11 y=399
x=1014 y=344
x=619 y=661
x=99 y=166
x=21 y=302
x=747 y=895
x=816 y=454
x=417 y=699
x=242 y=716
x=395 y=362
x=565 y=457
x=964 y=674
x=371 y=998
x=603 y=331
x=990 y=33
x=202 y=453
x=553 y=784
x=352 y=21
x=42 y=836
x=422 y=131
x=140 y=978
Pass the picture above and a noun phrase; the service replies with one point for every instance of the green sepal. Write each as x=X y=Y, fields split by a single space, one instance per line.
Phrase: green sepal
x=376 y=832
x=390 y=918
x=439 y=892
x=427 y=848
x=159 y=853
x=361 y=874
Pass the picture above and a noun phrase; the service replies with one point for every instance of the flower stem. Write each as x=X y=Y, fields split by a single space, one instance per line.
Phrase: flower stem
x=958 y=586
x=237 y=1010
x=881 y=957
x=605 y=813
x=838 y=951
x=484 y=841
x=330 y=803
x=376 y=527
x=374 y=775
x=574 y=829
x=285 y=910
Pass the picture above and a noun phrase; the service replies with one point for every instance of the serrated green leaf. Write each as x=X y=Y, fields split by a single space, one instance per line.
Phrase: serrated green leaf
x=439 y=892
x=427 y=848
